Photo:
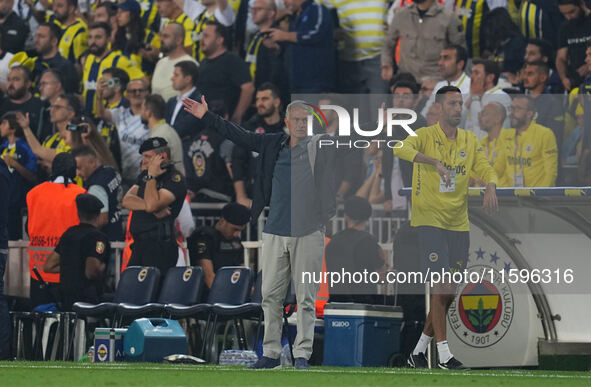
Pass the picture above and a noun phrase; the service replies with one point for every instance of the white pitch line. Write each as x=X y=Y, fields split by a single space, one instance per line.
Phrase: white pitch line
x=123 y=366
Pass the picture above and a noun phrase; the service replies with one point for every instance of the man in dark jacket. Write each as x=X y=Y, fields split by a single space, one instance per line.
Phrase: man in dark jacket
x=296 y=179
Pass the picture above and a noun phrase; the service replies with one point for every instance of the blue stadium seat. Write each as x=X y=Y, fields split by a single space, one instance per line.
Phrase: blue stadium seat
x=138 y=285
x=182 y=287
x=231 y=286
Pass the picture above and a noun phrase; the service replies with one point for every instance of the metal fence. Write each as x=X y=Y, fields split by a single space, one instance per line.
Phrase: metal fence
x=383 y=225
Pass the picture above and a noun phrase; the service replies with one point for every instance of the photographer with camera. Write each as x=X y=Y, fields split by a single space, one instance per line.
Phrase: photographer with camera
x=156 y=200
x=82 y=131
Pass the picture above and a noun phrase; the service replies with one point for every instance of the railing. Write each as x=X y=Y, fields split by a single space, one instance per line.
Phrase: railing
x=382 y=225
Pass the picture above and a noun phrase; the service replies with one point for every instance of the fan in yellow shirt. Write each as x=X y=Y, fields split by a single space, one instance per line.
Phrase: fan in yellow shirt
x=491 y=119
x=444 y=157
x=531 y=152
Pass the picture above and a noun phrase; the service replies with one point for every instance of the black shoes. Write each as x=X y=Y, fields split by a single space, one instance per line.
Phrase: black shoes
x=453 y=364
x=418 y=361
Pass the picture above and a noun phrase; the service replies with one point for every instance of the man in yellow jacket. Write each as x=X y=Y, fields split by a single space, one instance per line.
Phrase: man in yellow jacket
x=531 y=152
x=444 y=158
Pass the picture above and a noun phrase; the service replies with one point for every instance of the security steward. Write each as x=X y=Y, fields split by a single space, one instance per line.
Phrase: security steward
x=105 y=184
x=81 y=256
x=51 y=210
x=156 y=200
x=219 y=246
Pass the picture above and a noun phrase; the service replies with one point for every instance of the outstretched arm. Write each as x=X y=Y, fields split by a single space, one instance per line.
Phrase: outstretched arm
x=231 y=131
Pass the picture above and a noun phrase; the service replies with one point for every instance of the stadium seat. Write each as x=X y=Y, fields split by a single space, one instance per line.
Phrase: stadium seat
x=231 y=286
x=138 y=285
x=182 y=287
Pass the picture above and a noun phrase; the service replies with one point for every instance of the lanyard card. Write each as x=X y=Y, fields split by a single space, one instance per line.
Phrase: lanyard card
x=452 y=185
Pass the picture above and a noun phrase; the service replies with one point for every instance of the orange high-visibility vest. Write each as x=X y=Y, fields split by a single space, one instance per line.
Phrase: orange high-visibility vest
x=51 y=211
x=322 y=295
x=126 y=253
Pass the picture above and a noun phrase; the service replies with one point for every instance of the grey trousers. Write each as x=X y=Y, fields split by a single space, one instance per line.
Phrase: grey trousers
x=285 y=259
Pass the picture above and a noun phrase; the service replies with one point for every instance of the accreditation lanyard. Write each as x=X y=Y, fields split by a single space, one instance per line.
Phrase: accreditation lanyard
x=518 y=180
x=450 y=157
x=492 y=156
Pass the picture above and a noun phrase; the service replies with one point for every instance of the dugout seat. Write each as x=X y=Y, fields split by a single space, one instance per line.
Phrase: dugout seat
x=138 y=286
x=182 y=286
x=231 y=286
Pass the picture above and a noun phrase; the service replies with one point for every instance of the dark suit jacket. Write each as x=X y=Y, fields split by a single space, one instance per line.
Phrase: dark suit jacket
x=185 y=123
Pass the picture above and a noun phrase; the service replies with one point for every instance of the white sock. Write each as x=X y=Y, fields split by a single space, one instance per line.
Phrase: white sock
x=444 y=352
x=422 y=345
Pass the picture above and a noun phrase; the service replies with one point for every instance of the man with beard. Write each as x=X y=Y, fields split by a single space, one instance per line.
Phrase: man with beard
x=223 y=75
x=20 y=98
x=531 y=151
x=99 y=59
x=574 y=34
x=47 y=39
x=173 y=13
x=452 y=63
x=14 y=30
x=444 y=156
x=205 y=10
x=267 y=120
x=423 y=29
x=74 y=41
x=171 y=39
x=549 y=107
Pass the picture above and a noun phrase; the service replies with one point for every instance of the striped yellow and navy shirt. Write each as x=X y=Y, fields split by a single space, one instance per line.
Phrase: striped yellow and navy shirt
x=531 y=20
x=93 y=69
x=74 y=41
x=55 y=141
x=149 y=14
x=363 y=23
x=472 y=14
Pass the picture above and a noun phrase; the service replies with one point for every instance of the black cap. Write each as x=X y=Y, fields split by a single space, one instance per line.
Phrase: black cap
x=63 y=164
x=358 y=208
x=236 y=214
x=89 y=204
x=152 y=143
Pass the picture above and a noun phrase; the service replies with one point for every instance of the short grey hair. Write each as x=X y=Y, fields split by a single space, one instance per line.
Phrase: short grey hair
x=296 y=104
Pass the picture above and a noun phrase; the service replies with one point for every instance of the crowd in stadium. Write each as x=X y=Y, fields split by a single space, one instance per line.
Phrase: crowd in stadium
x=97 y=79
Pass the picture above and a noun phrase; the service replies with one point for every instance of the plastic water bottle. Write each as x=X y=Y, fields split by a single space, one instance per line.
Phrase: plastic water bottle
x=90 y=354
x=286 y=356
x=237 y=357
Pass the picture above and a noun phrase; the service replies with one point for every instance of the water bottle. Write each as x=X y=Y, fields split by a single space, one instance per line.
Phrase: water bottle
x=235 y=357
x=90 y=354
x=286 y=356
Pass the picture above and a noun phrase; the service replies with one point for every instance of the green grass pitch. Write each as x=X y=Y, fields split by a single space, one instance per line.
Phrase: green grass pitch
x=147 y=375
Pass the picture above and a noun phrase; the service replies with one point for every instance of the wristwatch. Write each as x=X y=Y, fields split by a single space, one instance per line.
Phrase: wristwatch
x=475 y=98
x=149 y=177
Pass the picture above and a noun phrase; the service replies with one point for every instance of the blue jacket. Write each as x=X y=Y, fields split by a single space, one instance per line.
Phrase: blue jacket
x=311 y=61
